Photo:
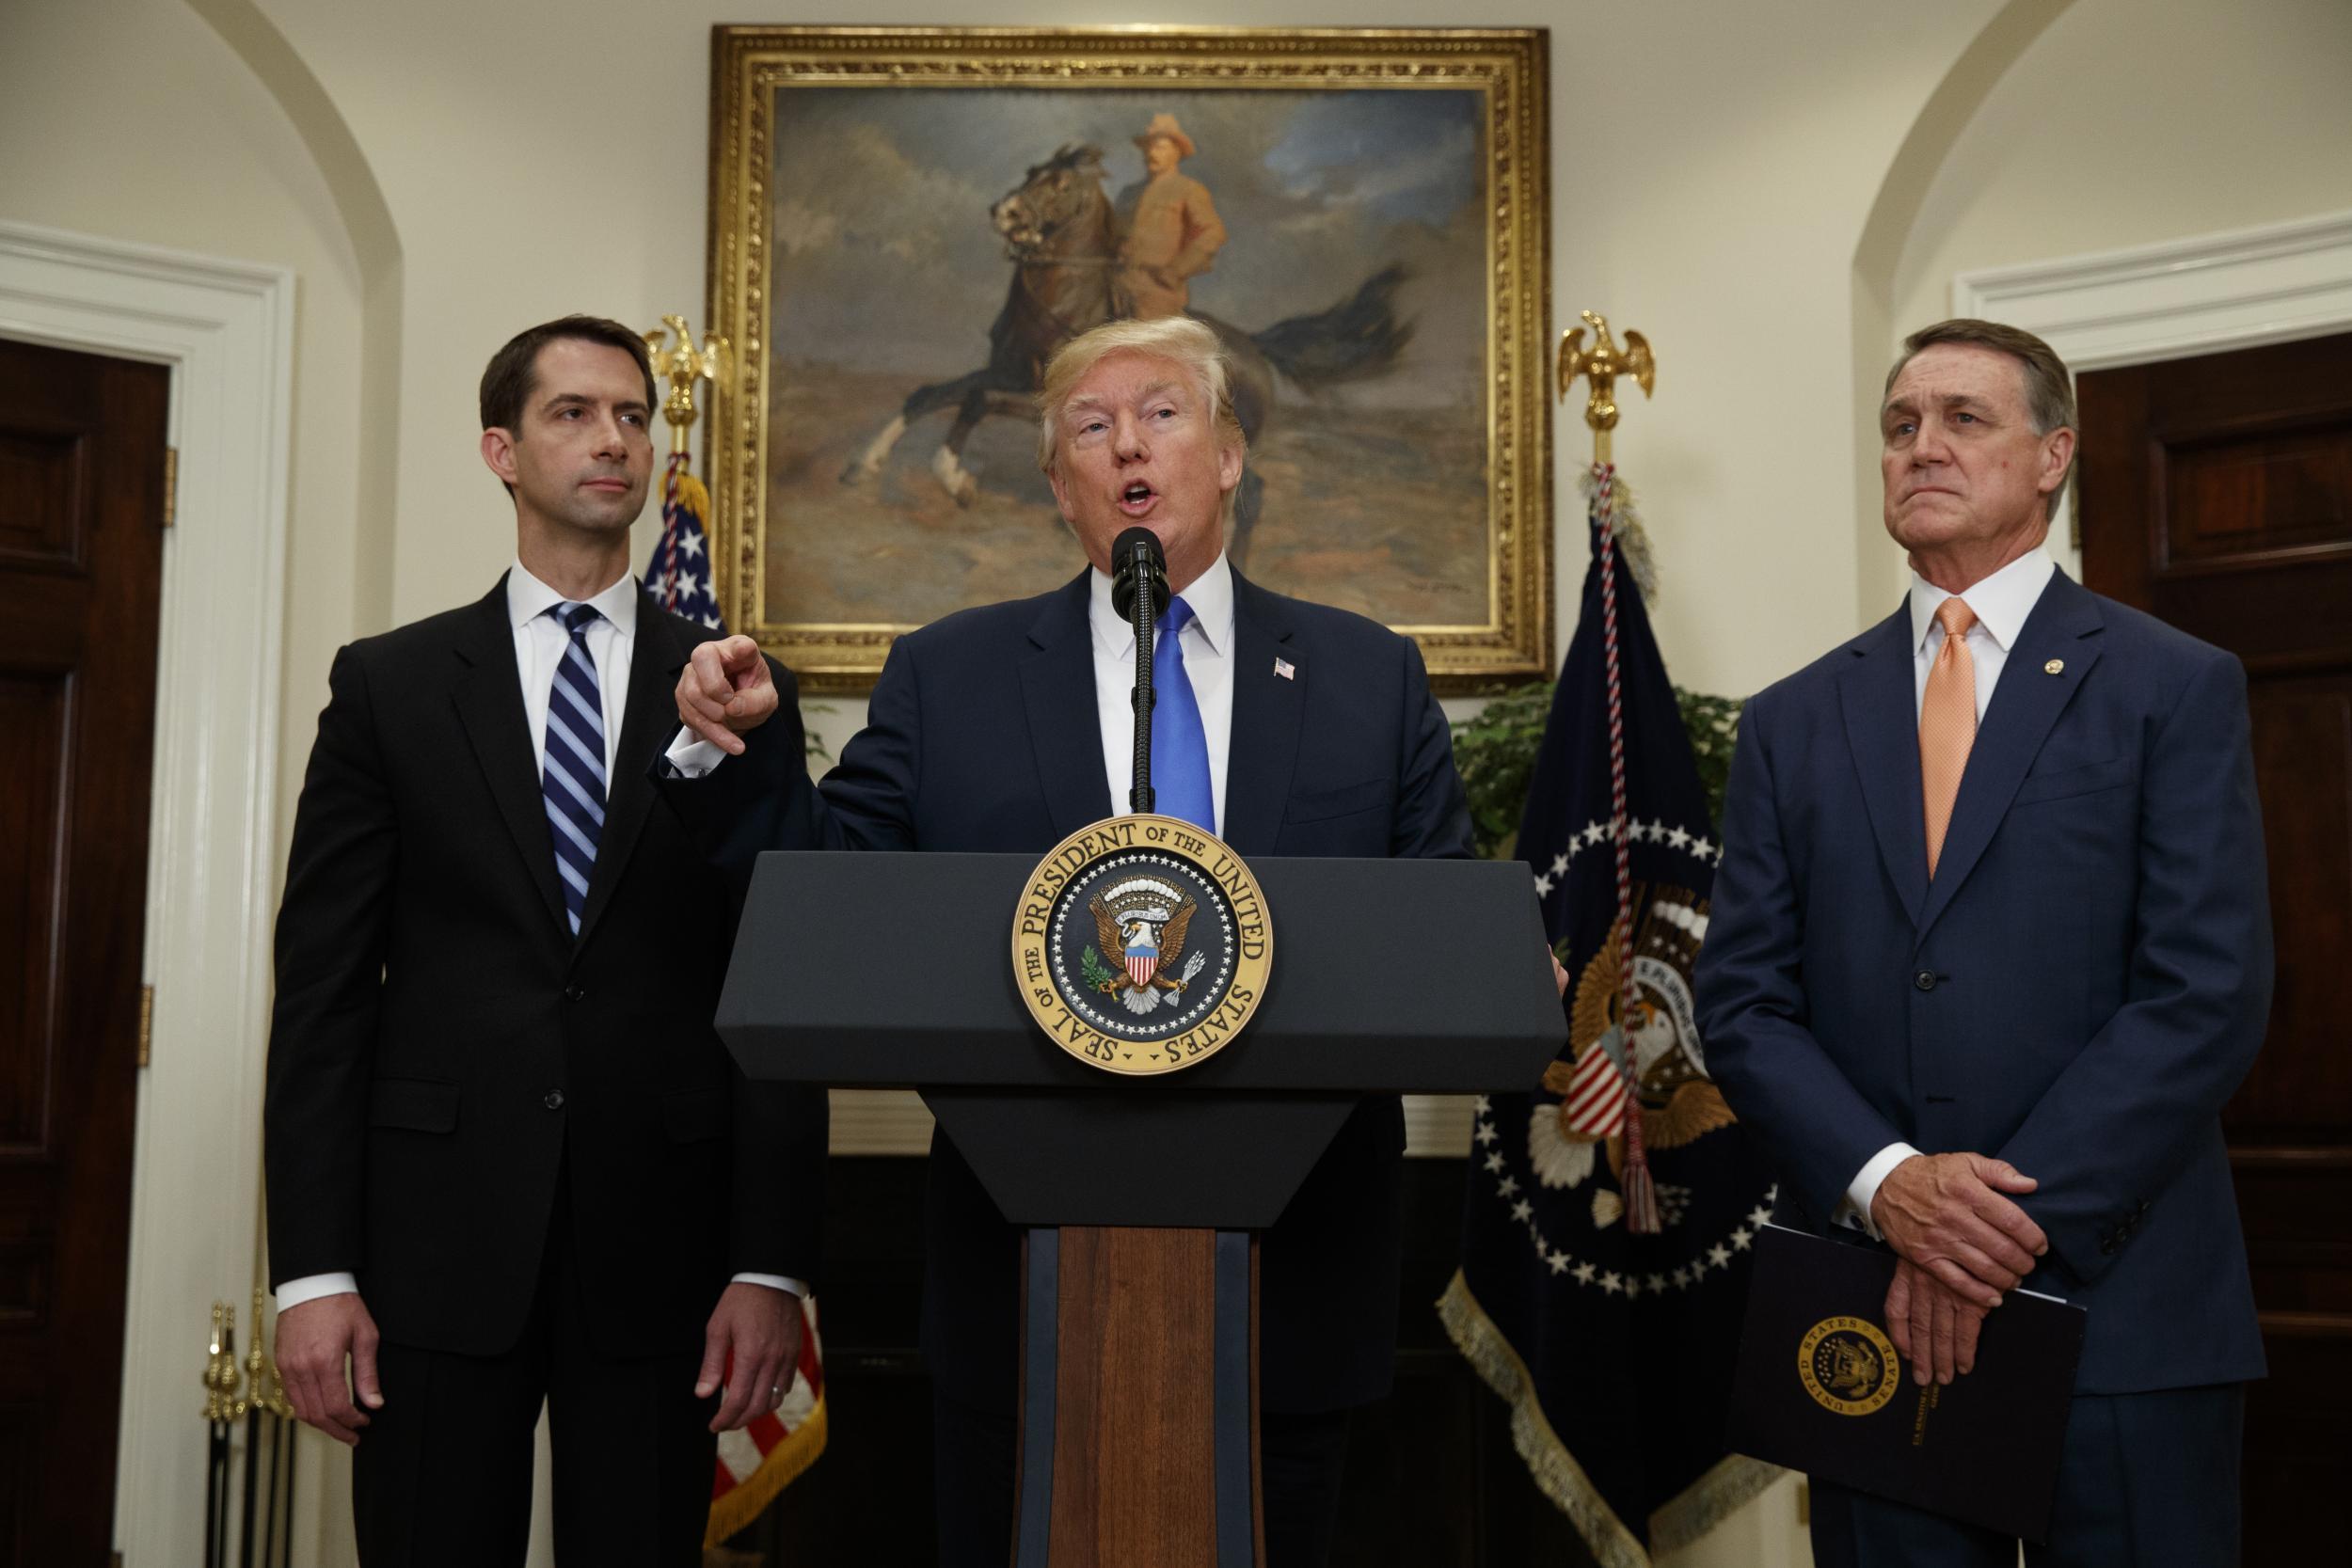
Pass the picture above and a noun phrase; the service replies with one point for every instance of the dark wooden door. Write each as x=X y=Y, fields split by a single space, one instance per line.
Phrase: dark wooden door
x=81 y=568
x=2217 y=494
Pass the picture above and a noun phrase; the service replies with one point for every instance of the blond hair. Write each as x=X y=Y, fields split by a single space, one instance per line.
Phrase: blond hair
x=1178 y=339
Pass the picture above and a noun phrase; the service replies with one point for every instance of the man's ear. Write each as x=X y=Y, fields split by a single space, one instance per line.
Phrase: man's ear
x=1062 y=493
x=498 y=452
x=2057 y=451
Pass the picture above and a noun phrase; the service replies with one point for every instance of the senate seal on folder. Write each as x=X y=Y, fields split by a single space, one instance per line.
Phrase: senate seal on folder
x=1141 y=944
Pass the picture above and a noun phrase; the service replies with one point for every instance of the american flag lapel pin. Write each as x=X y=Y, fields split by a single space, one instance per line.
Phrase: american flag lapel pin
x=1285 y=668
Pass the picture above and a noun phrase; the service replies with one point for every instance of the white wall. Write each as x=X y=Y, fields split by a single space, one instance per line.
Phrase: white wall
x=132 y=120
x=2131 y=122
x=1721 y=181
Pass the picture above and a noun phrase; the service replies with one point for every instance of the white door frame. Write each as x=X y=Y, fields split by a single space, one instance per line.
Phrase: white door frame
x=225 y=330
x=2212 y=293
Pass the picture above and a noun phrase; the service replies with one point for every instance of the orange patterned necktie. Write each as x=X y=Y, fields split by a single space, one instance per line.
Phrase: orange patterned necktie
x=1948 y=722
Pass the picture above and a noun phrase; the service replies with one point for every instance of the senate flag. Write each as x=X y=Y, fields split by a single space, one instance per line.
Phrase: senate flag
x=1610 y=1211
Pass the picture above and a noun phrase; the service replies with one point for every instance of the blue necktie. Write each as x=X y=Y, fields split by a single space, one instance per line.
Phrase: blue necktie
x=573 y=779
x=1179 y=746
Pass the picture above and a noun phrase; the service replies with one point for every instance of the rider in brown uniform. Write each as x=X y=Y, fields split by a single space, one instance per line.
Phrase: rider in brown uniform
x=1171 y=225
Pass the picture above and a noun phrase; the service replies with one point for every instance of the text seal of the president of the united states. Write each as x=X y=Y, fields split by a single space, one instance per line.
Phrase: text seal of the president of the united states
x=1141 y=944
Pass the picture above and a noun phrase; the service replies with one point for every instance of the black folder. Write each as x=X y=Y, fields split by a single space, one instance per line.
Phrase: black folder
x=1821 y=1388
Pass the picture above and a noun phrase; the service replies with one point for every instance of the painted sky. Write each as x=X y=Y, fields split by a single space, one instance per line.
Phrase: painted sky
x=884 y=259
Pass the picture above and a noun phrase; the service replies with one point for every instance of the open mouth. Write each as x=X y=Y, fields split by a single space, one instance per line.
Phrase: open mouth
x=1136 y=498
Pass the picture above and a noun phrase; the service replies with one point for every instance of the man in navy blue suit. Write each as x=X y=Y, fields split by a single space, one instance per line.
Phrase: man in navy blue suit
x=1990 y=948
x=1288 y=728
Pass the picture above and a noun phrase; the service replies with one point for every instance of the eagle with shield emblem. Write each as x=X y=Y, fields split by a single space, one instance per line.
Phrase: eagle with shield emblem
x=1148 y=936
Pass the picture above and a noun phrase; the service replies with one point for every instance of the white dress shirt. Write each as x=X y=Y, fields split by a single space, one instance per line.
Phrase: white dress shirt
x=1207 y=644
x=539 y=641
x=2001 y=603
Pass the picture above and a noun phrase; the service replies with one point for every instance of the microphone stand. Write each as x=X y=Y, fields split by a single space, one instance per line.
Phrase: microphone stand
x=1145 y=614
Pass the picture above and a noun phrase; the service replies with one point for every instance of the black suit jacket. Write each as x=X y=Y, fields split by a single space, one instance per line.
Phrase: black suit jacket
x=982 y=735
x=443 y=1050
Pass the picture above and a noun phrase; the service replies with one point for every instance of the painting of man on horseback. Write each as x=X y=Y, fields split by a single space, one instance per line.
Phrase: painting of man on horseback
x=927 y=252
x=1077 y=264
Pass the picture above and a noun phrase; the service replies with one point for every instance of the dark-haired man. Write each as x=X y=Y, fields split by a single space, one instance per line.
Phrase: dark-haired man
x=1990 y=948
x=509 y=1163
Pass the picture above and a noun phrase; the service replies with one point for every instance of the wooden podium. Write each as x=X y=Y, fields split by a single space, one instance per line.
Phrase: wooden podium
x=1138 y=1402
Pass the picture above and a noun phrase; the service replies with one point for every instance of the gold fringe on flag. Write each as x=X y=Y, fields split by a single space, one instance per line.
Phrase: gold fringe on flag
x=733 y=1511
x=1690 y=1514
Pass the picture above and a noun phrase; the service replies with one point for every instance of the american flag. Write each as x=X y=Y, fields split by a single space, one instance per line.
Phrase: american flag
x=762 y=1458
x=759 y=1458
x=679 y=574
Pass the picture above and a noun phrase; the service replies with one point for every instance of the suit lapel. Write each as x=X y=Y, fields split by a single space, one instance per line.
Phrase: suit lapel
x=1058 y=692
x=1268 y=713
x=1883 y=724
x=648 y=722
x=488 y=693
x=2025 y=704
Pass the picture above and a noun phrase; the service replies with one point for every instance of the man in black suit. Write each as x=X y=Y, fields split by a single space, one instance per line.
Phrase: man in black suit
x=508 y=1160
x=1311 y=731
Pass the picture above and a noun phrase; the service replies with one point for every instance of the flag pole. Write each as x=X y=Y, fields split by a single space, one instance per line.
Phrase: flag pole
x=1601 y=366
x=681 y=365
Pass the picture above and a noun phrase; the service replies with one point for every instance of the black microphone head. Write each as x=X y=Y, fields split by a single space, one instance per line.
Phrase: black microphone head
x=1133 y=545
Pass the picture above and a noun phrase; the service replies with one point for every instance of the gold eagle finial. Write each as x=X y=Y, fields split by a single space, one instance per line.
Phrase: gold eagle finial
x=681 y=367
x=1601 y=365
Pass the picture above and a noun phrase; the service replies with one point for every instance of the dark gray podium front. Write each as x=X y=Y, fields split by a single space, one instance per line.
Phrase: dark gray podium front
x=895 y=971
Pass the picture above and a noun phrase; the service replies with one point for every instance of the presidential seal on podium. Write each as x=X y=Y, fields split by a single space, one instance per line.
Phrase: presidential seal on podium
x=1141 y=945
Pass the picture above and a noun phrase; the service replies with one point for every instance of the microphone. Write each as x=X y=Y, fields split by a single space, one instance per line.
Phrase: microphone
x=1138 y=586
x=1135 y=554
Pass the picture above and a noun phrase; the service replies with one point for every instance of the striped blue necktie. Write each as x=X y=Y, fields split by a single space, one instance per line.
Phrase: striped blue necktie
x=573 y=779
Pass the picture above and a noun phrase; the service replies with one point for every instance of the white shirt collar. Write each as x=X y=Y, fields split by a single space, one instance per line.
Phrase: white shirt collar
x=528 y=598
x=2001 y=601
x=1209 y=594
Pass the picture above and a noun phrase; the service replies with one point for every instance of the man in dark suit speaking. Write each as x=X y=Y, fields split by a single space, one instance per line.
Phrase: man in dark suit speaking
x=1990 y=948
x=509 y=1162
x=1287 y=728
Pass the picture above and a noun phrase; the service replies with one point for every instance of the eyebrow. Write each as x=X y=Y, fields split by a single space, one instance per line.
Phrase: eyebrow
x=1095 y=399
x=561 y=400
x=1949 y=400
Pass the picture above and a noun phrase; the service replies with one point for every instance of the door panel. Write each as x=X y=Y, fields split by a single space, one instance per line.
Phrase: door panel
x=2217 y=494
x=81 y=567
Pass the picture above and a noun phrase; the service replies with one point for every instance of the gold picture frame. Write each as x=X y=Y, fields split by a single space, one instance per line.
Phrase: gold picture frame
x=1385 y=193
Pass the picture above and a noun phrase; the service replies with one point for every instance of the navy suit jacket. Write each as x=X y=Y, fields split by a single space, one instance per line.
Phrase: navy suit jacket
x=2077 y=992
x=982 y=735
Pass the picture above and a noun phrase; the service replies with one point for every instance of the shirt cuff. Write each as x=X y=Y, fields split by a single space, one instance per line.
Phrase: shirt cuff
x=784 y=1282
x=1855 y=1211
x=691 y=756
x=312 y=1287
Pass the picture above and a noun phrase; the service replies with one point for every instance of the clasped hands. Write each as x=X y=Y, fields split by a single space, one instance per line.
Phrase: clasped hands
x=1961 y=1245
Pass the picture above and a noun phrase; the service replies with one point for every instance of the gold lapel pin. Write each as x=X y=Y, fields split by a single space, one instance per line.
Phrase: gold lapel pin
x=2055 y=667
